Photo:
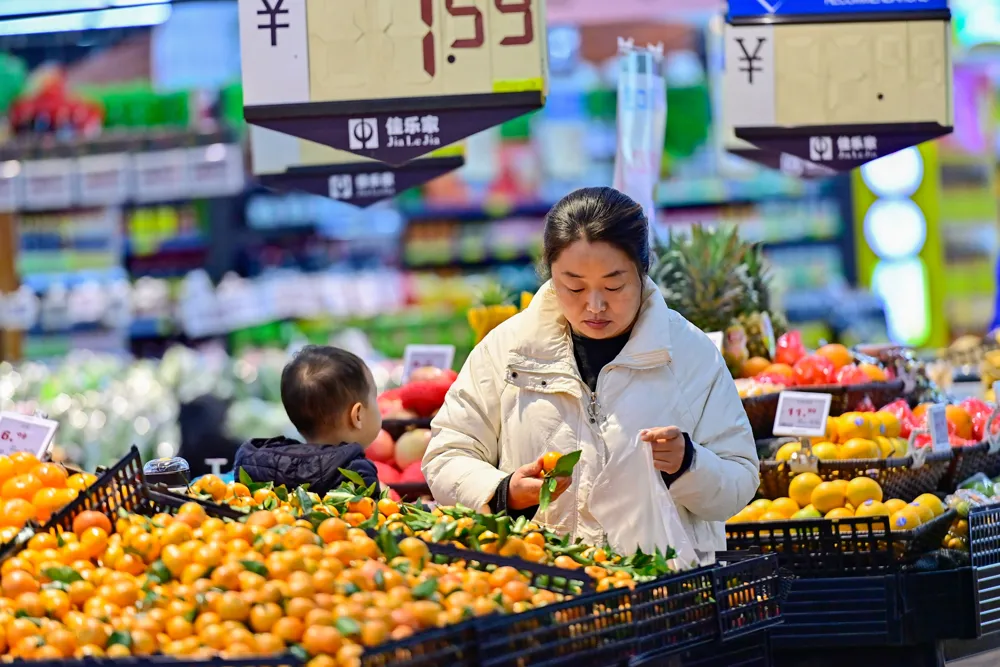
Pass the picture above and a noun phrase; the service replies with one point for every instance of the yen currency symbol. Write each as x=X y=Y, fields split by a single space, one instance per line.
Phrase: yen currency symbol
x=362 y=133
x=750 y=60
x=272 y=13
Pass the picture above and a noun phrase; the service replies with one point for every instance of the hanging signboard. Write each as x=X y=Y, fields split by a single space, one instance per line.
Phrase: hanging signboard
x=284 y=162
x=389 y=80
x=838 y=83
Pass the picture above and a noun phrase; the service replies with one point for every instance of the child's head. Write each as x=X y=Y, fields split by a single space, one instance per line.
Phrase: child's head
x=329 y=395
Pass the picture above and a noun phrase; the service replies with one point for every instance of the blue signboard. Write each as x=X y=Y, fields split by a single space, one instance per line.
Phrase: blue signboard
x=757 y=8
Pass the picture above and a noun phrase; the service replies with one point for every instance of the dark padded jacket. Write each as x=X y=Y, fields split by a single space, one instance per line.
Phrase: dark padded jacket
x=292 y=463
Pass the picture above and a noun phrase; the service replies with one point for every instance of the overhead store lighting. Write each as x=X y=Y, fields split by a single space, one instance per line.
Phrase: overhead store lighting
x=29 y=17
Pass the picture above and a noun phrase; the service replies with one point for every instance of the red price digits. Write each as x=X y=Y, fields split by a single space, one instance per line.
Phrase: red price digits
x=5 y=435
x=478 y=38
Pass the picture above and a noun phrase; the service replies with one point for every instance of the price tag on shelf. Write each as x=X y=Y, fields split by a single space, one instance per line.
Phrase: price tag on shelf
x=161 y=175
x=215 y=170
x=419 y=356
x=802 y=413
x=10 y=185
x=937 y=426
x=49 y=184
x=717 y=338
x=104 y=180
x=25 y=433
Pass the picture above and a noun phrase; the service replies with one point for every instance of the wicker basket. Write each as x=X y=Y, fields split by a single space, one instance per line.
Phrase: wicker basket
x=895 y=475
x=761 y=409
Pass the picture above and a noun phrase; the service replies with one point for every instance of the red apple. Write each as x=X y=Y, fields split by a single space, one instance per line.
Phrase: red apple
x=413 y=474
x=411 y=446
x=813 y=369
x=382 y=448
x=387 y=475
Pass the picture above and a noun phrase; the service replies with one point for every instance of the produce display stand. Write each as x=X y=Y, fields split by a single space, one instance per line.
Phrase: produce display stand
x=396 y=427
x=761 y=409
x=708 y=613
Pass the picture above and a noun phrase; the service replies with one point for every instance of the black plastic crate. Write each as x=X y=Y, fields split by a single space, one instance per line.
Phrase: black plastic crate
x=455 y=646
x=676 y=612
x=748 y=592
x=752 y=651
x=838 y=547
x=833 y=612
x=938 y=605
x=594 y=630
x=984 y=552
x=286 y=660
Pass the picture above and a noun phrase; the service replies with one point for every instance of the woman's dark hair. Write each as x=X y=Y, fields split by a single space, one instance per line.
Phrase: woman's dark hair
x=596 y=214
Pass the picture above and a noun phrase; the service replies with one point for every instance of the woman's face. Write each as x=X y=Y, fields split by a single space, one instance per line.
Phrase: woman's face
x=598 y=288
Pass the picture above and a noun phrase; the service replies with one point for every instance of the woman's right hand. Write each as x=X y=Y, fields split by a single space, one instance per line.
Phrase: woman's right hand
x=525 y=487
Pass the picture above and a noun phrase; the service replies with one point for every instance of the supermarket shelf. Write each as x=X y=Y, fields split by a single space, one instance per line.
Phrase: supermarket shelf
x=185 y=242
x=42 y=282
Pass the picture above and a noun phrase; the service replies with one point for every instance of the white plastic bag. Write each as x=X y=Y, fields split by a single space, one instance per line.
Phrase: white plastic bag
x=634 y=507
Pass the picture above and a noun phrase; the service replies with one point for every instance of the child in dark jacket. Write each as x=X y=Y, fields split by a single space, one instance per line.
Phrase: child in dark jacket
x=330 y=397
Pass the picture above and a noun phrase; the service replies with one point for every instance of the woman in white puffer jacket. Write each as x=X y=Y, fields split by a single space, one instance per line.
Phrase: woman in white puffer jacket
x=596 y=360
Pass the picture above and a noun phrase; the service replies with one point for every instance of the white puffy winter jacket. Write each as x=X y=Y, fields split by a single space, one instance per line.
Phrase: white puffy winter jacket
x=520 y=395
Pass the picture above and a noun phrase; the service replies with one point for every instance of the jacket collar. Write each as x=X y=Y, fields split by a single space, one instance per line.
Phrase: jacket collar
x=543 y=333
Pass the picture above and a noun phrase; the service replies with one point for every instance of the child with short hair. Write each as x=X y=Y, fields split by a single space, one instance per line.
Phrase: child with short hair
x=330 y=397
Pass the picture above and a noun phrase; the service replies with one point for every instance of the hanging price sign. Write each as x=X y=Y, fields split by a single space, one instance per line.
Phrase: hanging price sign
x=215 y=170
x=161 y=175
x=49 y=184
x=802 y=413
x=104 y=180
x=391 y=80
x=25 y=433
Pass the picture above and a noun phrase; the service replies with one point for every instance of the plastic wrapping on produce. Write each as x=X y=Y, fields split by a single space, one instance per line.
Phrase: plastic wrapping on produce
x=642 y=122
x=646 y=517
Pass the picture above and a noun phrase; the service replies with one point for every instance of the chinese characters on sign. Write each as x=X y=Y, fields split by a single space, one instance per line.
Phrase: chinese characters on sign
x=412 y=131
x=801 y=413
x=821 y=149
x=366 y=185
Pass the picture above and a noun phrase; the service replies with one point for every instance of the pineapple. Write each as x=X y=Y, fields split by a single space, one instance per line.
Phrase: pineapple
x=493 y=309
x=703 y=276
x=760 y=334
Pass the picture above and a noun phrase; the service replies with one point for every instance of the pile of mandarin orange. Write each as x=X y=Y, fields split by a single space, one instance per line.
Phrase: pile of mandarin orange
x=32 y=490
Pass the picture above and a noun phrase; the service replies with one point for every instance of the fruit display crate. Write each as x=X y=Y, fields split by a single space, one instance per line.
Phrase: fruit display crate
x=411 y=491
x=839 y=547
x=287 y=660
x=966 y=461
x=984 y=552
x=897 y=476
x=845 y=398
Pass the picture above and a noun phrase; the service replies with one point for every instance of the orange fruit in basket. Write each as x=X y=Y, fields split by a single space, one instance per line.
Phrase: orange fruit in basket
x=801 y=487
x=960 y=419
x=860 y=448
x=16 y=512
x=871 y=508
x=754 y=366
x=931 y=501
x=838 y=354
x=785 y=507
x=893 y=505
x=839 y=513
x=904 y=519
x=91 y=519
x=862 y=489
x=6 y=468
x=826 y=451
x=51 y=475
x=827 y=496
x=80 y=481
x=21 y=486
x=48 y=500
x=24 y=462
x=781 y=369
x=874 y=373
x=926 y=513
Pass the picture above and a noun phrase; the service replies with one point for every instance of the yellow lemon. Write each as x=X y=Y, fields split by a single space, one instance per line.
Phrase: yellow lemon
x=905 y=519
x=890 y=423
x=901 y=446
x=874 y=424
x=771 y=515
x=839 y=513
x=932 y=502
x=861 y=489
x=750 y=513
x=827 y=496
x=826 y=451
x=894 y=505
x=871 y=508
x=785 y=506
x=740 y=517
x=885 y=446
x=801 y=487
x=860 y=448
x=786 y=450
x=832 y=429
x=761 y=505
x=852 y=425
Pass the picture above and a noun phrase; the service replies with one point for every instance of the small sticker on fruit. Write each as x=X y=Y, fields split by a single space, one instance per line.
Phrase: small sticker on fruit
x=554 y=466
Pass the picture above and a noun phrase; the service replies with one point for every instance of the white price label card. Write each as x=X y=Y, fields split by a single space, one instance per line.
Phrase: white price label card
x=419 y=356
x=216 y=170
x=104 y=180
x=937 y=426
x=10 y=186
x=802 y=413
x=26 y=433
x=161 y=175
x=717 y=338
x=993 y=439
x=49 y=184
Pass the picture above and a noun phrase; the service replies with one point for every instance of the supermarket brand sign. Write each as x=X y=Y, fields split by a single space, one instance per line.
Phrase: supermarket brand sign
x=762 y=8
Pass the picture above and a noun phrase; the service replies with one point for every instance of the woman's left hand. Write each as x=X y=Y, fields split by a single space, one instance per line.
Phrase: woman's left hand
x=668 y=447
